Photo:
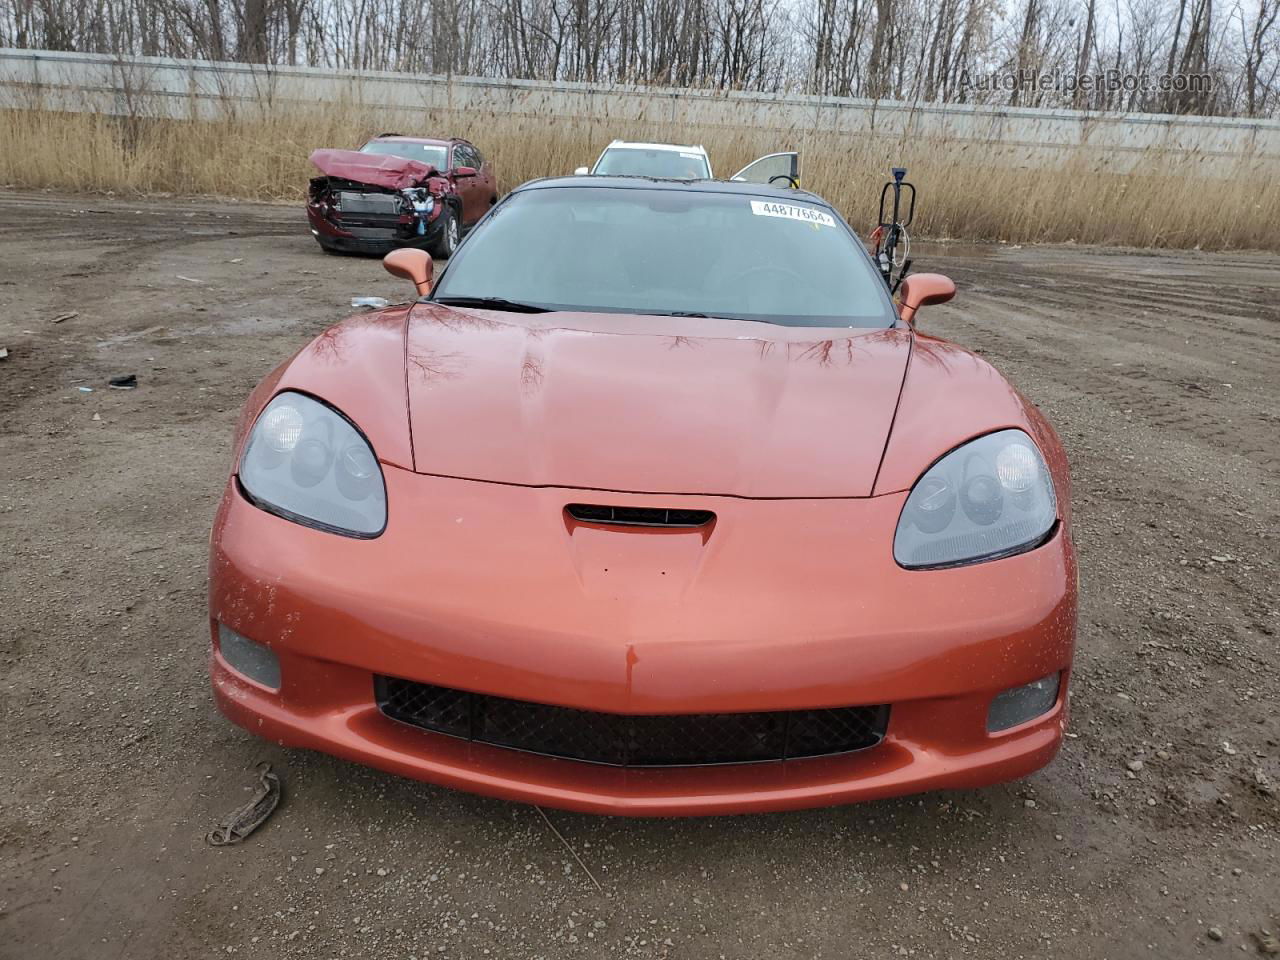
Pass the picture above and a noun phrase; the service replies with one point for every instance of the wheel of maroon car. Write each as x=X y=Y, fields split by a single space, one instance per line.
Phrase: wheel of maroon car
x=442 y=248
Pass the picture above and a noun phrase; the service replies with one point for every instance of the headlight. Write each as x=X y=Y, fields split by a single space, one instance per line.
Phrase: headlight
x=306 y=462
x=419 y=199
x=990 y=498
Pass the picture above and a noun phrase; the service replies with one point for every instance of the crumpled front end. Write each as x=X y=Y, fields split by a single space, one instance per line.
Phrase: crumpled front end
x=360 y=217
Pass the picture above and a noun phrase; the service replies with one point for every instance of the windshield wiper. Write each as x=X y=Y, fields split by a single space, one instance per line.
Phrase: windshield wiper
x=704 y=316
x=491 y=303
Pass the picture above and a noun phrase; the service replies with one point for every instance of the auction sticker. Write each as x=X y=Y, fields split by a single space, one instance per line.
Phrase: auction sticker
x=789 y=211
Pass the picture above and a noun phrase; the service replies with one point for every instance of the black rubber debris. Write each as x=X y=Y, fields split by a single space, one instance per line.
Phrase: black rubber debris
x=126 y=382
x=244 y=820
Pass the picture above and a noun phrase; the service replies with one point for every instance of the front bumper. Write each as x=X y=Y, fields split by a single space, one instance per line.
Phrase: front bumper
x=372 y=240
x=782 y=605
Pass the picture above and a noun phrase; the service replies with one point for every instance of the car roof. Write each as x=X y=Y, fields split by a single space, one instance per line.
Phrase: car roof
x=671 y=147
x=738 y=187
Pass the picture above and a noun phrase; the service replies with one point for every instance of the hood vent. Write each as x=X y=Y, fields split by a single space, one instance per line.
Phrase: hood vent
x=639 y=516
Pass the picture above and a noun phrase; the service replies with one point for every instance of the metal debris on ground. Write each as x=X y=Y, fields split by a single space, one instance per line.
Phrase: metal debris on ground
x=376 y=303
x=574 y=853
x=65 y=316
x=126 y=382
x=1268 y=942
x=4 y=353
x=85 y=389
x=245 y=819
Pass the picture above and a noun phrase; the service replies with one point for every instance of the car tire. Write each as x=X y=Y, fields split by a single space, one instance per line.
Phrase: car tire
x=443 y=246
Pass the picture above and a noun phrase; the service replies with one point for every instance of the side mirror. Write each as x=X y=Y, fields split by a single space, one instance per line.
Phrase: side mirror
x=582 y=171
x=464 y=172
x=414 y=265
x=922 y=288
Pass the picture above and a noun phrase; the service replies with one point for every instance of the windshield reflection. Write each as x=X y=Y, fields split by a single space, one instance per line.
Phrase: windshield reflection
x=670 y=250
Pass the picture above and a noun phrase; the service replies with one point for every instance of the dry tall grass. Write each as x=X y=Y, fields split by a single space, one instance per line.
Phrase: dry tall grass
x=975 y=191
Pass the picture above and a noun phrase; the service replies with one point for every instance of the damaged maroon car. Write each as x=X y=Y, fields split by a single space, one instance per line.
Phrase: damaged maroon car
x=399 y=192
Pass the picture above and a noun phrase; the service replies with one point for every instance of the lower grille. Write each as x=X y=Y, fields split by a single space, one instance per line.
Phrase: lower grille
x=372 y=240
x=631 y=741
x=366 y=226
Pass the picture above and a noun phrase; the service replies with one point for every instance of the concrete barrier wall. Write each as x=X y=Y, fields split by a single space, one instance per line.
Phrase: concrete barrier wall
x=155 y=86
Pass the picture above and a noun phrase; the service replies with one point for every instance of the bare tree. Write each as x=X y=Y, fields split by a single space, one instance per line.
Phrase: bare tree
x=915 y=50
x=1260 y=66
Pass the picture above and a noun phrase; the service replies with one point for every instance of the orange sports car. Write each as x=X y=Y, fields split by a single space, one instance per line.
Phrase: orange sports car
x=655 y=502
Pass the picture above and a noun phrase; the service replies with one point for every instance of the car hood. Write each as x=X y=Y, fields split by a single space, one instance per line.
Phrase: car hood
x=651 y=404
x=375 y=169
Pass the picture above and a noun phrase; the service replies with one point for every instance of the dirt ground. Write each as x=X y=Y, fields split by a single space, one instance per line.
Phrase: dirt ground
x=1161 y=372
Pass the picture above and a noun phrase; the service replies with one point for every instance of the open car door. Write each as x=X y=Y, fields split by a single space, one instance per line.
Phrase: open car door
x=776 y=169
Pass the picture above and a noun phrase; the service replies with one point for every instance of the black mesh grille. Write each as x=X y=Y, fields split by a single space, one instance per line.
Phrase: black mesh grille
x=366 y=222
x=631 y=741
x=639 y=516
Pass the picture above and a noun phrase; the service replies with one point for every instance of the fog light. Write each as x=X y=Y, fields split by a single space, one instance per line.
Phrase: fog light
x=1020 y=704
x=253 y=660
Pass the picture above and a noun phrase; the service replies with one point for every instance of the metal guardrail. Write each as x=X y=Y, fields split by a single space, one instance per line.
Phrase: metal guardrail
x=158 y=86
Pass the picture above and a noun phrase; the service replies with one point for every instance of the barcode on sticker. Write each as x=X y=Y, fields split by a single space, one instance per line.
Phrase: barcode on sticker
x=789 y=211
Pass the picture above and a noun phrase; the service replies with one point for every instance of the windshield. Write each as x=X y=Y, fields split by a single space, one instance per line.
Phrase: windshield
x=639 y=162
x=429 y=153
x=670 y=251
